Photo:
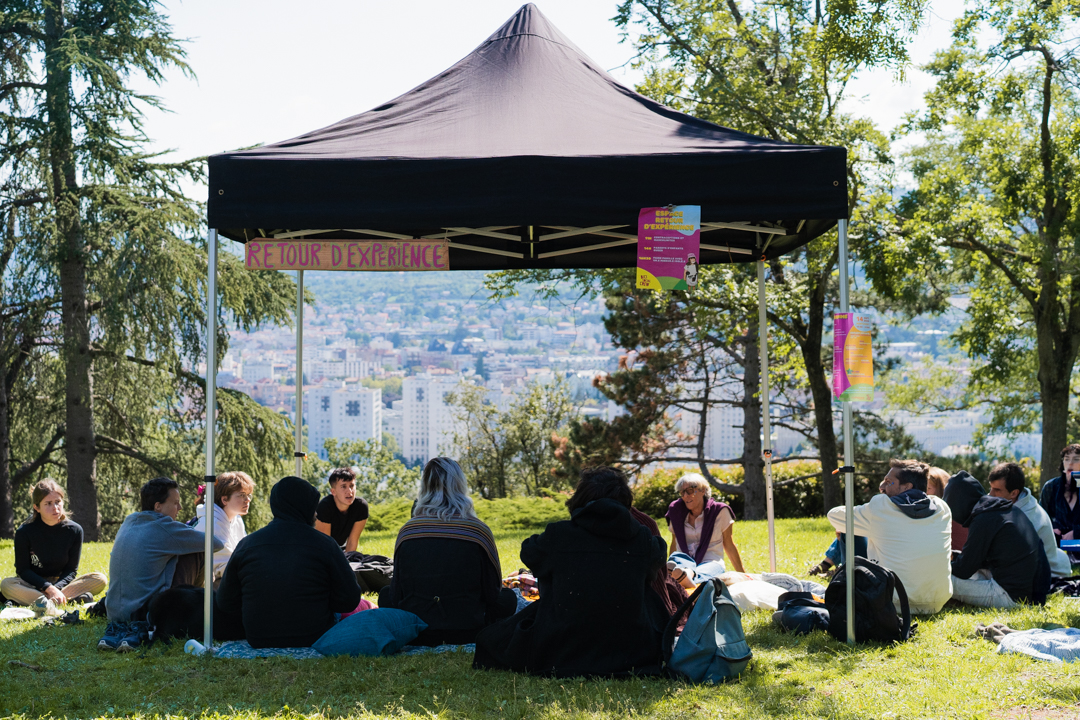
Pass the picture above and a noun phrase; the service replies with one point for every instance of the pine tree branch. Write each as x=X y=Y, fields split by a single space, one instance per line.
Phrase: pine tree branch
x=46 y=455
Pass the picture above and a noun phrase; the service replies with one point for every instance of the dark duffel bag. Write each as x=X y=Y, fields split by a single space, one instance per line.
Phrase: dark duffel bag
x=373 y=572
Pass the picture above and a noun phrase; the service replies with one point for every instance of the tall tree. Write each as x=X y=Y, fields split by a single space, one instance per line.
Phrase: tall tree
x=780 y=68
x=994 y=210
x=112 y=227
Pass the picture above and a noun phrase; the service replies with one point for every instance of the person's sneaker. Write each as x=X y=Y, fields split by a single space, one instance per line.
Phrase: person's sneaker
x=84 y=598
x=137 y=634
x=114 y=633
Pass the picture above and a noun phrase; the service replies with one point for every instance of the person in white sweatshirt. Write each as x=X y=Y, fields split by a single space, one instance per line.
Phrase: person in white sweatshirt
x=232 y=499
x=909 y=532
x=1007 y=481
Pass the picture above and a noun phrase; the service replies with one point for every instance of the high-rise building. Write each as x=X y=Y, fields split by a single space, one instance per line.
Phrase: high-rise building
x=427 y=421
x=345 y=412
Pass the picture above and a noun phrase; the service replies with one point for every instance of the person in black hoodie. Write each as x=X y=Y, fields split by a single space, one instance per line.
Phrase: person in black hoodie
x=1003 y=562
x=597 y=614
x=287 y=580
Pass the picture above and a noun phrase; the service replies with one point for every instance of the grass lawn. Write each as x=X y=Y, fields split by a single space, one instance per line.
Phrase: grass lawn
x=944 y=672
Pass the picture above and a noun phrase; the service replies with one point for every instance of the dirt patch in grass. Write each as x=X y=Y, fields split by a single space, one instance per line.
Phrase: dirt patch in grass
x=1030 y=713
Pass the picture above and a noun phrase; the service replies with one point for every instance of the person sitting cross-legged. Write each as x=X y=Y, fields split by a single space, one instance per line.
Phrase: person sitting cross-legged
x=907 y=531
x=446 y=563
x=701 y=533
x=48 y=547
x=1007 y=481
x=287 y=580
x=1003 y=562
x=152 y=551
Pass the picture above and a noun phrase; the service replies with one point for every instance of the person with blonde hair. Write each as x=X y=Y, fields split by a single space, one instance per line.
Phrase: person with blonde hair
x=48 y=547
x=232 y=500
x=446 y=563
x=701 y=533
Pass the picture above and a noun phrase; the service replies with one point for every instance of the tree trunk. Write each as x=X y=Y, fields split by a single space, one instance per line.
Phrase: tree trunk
x=1054 y=374
x=7 y=510
x=821 y=391
x=753 y=465
x=80 y=444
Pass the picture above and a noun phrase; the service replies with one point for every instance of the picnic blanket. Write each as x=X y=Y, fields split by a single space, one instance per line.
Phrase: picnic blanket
x=1056 y=646
x=241 y=649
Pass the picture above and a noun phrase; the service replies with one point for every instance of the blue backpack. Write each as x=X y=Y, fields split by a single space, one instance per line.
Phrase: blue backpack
x=712 y=647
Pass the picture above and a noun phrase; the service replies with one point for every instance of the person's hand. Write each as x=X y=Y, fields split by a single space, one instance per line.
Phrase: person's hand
x=55 y=595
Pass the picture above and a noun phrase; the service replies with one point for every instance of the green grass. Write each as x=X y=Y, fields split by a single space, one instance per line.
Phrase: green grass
x=944 y=672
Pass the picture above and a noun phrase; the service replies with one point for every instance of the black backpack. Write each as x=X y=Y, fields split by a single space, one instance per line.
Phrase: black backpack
x=875 y=617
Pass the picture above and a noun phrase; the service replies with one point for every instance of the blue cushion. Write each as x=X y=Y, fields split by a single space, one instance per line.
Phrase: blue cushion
x=381 y=631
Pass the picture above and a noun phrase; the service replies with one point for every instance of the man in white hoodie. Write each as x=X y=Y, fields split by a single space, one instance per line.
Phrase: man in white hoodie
x=1007 y=481
x=909 y=532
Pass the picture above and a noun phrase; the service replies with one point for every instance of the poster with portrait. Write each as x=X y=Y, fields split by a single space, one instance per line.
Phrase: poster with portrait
x=669 y=246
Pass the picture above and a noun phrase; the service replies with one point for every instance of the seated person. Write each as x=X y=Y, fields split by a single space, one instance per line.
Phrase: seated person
x=446 y=564
x=597 y=614
x=287 y=580
x=909 y=532
x=47 y=550
x=701 y=533
x=1059 y=496
x=341 y=514
x=936 y=482
x=1007 y=481
x=152 y=551
x=232 y=499
x=1002 y=562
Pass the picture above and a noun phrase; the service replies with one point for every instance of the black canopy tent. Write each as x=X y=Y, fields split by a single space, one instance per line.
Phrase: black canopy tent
x=526 y=154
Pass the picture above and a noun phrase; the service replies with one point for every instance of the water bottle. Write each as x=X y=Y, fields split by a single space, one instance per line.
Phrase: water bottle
x=194 y=647
x=43 y=606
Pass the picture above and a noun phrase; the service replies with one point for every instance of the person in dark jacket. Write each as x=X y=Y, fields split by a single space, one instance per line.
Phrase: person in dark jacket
x=287 y=580
x=1061 y=500
x=446 y=563
x=1003 y=562
x=597 y=614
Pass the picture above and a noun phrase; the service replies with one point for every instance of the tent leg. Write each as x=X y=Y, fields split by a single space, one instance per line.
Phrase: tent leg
x=766 y=418
x=299 y=415
x=211 y=416
x=849 y=454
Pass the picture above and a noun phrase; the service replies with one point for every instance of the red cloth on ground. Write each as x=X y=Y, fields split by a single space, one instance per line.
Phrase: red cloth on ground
x=364 y=605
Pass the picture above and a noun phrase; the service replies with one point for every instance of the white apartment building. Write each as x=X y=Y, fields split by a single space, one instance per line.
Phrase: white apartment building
x=345 y=412
x=426 y=419
x=255 y=370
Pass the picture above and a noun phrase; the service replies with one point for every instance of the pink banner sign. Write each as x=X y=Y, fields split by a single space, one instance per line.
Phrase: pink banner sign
x=853 y=357
x=669 y=245
x=386 y=255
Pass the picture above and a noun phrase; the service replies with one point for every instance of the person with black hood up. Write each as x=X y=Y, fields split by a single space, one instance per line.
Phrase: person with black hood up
x=287 y=580
x=598 y=614
x=1003 y=562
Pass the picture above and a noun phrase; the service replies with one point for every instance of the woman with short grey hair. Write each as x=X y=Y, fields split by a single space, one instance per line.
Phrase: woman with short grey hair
x=446 y=564
x=701 y=533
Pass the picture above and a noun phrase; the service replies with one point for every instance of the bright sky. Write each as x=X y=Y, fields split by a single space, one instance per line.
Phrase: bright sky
x=269 y=70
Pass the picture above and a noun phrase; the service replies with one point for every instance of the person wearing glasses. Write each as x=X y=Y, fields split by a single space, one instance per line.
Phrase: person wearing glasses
x=232 y=500
x=701 y=533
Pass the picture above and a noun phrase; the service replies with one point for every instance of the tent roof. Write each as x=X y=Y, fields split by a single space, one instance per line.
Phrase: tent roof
x=524 y=139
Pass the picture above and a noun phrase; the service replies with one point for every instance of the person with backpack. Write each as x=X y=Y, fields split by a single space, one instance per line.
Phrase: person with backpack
x=597 y=614
x=908 y=532
x=1003 y=562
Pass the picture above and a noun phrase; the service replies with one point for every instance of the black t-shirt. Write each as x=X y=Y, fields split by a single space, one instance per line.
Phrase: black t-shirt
x=43 y=551
x=341 y=523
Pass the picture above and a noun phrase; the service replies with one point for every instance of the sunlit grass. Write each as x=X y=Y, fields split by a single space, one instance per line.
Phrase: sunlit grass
x=944 y=672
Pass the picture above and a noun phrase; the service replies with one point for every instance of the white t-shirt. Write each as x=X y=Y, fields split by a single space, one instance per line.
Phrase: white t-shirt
x=692 y=531
x=230 y=533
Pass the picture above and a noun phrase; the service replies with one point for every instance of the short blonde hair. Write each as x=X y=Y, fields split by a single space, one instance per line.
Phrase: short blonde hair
x=936 y=480
x=695 y=480
x=228 y=483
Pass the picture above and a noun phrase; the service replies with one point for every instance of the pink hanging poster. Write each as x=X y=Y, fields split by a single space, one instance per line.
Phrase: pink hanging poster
x=669 y=245
x=853 y=358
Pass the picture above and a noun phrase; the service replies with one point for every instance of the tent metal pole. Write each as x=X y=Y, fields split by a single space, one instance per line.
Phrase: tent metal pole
x=849 y=454
x=766 y=417
x=211 y=417
x=299 y=415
